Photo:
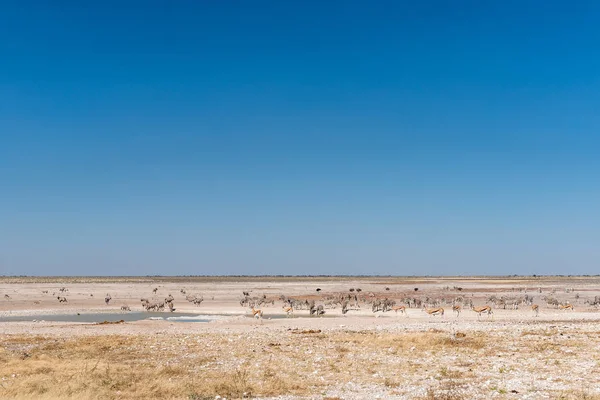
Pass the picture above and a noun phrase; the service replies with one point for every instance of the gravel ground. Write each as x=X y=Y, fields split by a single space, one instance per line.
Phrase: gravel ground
x=513 y=355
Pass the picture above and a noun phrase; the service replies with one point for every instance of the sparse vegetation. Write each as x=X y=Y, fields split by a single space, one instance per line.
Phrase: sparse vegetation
x=202 y=366
x=414 y=357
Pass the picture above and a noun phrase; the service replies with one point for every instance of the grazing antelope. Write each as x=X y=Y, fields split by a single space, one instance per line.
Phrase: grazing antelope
x=288 y=310
x=258 y=314
x=536 y=309
x=61 y=299
x=402 y=309
x=7 y=297
x=155 y=290
x=485 y=309
x=125 y=308
x=434 y=311
x=107 y=299
x=566 y=307
x=457 y=309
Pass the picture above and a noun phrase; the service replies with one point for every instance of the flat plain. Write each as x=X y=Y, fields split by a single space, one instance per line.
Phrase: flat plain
x=364 y=353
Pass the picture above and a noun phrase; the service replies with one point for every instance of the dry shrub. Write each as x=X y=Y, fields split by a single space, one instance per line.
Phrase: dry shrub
x=276 y=385
x=419 y=341
x=541 y=332
x=241 y=383
x=237 y=384
x=448 y=389
x=543 y=346
x=474 y=343
x=578 y=395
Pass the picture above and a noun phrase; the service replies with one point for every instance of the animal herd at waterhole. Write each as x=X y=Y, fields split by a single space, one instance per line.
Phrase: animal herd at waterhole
x=355 y=299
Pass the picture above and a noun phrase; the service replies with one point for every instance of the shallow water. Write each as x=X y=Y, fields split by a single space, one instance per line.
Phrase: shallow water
x=139 y=316
x=113 y=317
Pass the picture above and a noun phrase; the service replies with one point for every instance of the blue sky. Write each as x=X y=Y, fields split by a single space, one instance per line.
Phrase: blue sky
x=337 y=137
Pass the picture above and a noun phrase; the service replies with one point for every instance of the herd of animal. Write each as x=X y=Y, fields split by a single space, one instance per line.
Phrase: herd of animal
x=430 y=305
x=148 y=305
x=316 y=305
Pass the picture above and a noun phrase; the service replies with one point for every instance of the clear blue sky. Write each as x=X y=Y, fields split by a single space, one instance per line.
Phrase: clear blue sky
x=279 y=137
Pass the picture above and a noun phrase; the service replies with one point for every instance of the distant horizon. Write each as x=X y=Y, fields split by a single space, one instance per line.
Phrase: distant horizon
x=411 y=138
x=300 y=276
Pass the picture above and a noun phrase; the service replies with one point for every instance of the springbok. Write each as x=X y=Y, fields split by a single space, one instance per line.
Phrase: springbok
x=402 y=309
x=288 y=310
x=566 y=307
x=536 y=309
x=258 y=314
x=434 y=311
x=457 y=309
x=485 y=309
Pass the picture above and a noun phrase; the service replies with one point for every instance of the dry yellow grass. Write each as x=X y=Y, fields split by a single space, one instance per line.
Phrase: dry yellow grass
x=136 y=367
x=105 y=367
x=201 y=366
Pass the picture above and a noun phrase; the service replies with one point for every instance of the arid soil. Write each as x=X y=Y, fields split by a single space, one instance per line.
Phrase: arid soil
x=511 y=354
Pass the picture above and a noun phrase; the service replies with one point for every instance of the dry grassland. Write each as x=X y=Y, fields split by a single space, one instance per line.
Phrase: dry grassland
x=432 y=364
x=362 y=355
